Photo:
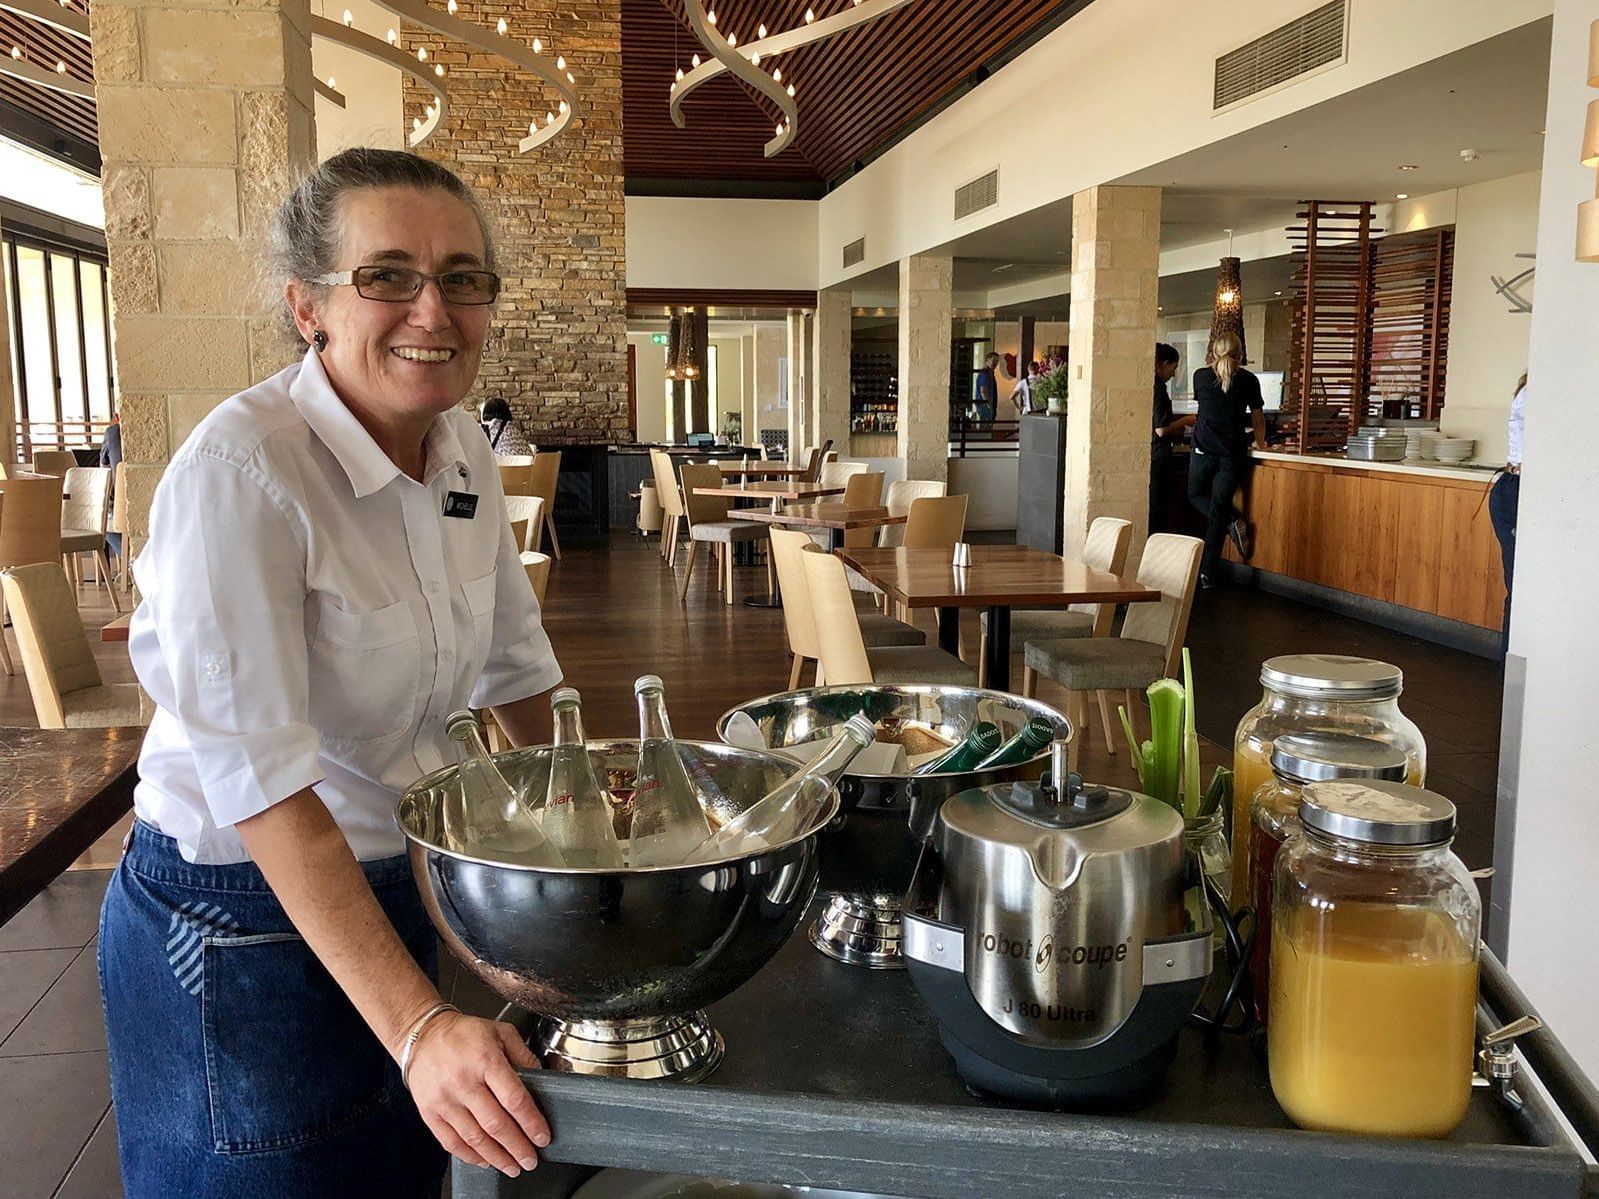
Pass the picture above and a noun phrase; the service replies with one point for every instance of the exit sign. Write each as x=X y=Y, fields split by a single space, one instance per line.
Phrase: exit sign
x=658 y=338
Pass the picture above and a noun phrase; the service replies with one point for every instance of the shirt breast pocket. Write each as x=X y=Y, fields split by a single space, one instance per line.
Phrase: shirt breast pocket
x=363 y=672
x=479 y=596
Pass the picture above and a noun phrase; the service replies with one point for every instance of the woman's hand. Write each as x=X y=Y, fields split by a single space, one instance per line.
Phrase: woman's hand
x=470 y=1097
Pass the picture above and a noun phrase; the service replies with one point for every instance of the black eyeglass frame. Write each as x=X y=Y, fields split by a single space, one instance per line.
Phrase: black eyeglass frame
x=353 y=278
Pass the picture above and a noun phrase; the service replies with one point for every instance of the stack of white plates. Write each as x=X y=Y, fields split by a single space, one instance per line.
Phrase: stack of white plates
x=1418 y=441
x=1453 y=449
x=1384 y=445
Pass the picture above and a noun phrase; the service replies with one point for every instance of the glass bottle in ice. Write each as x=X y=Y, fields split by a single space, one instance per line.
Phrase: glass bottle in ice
x=668 y=821
x=484 y=817
x=576 y=814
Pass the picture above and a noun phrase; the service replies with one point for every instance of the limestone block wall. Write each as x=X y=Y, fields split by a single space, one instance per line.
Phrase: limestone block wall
x=557 y=349
x=926 y=308
x=1115 y=281
x=830 y=358
x=205 y=121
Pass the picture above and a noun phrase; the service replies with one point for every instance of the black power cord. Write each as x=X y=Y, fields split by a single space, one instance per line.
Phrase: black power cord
x=1235 y=1013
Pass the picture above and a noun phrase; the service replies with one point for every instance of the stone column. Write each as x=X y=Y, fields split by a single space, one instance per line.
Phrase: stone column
x=801 y=431
x=926 y=308
x=1115 y=279
x=830 y=368
x=205 y=114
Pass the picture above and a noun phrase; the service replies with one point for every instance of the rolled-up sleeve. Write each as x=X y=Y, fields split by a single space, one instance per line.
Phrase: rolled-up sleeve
x=220 y=639
x=521 y=661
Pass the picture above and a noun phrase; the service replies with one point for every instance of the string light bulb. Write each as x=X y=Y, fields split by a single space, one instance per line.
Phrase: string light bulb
x=538 y=46
x=560 y=62
x=349 y=18
x=791 y=89
x=16 y=52
x=549 y=118
x=332 y=83
x=780 y=129
x=500 y=26
x=562 y=107
x=732 y=39
x=761 y=32
x=451 y=7
x=778 y=74
x=438 y=69
x=532 y=127
x=393 y=37
x=569 y=78
x=810 y=15
x=695 y=61
x=680 y=74
x=421 y=54
x=755 y=58
x=61 y=67
x=416 y=124
x=711 y=17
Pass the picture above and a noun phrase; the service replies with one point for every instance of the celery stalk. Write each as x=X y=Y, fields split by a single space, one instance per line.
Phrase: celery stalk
x=1193 y=797
x=1133 y=750
x=1166 y=731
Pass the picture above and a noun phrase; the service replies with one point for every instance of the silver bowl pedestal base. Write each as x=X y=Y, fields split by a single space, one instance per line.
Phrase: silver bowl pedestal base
x=860 y=930
x=683 y=1048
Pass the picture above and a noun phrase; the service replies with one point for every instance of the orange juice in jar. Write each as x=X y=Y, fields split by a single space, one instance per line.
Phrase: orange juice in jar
x=1314 y=693
x=1373 y=964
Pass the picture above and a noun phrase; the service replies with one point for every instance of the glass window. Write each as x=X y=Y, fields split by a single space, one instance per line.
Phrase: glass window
x=35 y=366
x=94 y=333
x=69 y=359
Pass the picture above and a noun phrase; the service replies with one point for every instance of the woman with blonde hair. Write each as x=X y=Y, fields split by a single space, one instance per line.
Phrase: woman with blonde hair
x=1231 y=408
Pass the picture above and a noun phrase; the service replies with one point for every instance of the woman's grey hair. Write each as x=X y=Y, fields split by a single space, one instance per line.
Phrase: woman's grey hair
x=306 y=231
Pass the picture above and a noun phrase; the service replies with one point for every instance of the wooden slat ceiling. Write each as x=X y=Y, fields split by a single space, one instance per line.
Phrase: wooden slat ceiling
x=44 y=46
x=854 y=90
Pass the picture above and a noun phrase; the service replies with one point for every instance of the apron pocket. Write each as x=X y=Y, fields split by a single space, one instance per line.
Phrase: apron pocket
x=288 y=1060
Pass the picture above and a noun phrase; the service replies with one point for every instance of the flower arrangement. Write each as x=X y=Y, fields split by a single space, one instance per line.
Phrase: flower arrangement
x=1052 y=384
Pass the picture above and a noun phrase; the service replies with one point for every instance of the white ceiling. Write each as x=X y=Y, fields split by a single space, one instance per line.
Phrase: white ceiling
x=1489 y=98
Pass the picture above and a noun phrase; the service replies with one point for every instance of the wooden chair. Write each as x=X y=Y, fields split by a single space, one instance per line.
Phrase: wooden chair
x=902 y=493
x=67 y=690
x=845 y=657
x=546 y=476
x=837 y=474
x=516 y=478
x=119 y=526
x=1105 y=549
x=935 y=523
x=526 y=513
x=708 y=521
x=862 y=491
x=54 y=462
x=30 y=532
x=800 y=623
x=85 y=520
x=537 y=566
x=813 y=465
x=670 y=496
x=1150 y=644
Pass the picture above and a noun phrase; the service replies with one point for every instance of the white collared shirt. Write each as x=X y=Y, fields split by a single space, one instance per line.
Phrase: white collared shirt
x=310 y=616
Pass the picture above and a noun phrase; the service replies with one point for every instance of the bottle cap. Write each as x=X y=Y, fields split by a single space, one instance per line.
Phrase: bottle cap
x=565 y=695
x=648 y=682
x=1378 y=812
x=1332 y=676
x=1317 y=757
x=460 y=724
x=860 y=727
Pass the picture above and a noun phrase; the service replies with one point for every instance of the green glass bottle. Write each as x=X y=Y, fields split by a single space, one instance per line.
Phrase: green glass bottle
x=980 y=743
x=1024 y=746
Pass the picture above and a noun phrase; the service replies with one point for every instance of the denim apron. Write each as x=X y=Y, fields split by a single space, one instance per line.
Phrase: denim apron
x=238 y=1066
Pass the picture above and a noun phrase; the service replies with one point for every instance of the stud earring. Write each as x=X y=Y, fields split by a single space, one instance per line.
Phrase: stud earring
x=319 y=339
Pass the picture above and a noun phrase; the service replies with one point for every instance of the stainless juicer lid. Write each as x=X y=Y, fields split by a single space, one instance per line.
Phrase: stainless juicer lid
x=1377 y=812
x=1318 y=757
x=1331 y=676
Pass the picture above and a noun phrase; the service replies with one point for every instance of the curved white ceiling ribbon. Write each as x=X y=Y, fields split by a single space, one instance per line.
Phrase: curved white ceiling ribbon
x=376 y=47
x=723 y=52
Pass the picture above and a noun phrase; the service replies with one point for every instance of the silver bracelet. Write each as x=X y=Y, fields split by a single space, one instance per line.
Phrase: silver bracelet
x=408 y=1049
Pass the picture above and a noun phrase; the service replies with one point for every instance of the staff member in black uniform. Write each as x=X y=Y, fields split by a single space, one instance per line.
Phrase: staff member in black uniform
x=1230 y=408
x=1168 y=430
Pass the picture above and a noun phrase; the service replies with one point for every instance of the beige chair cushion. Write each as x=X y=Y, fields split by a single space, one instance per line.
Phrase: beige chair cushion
x=1098 y=663
x=1040 y=623
x=880 y=630
x=919 y=664
x=110 y=705
x=728 y=530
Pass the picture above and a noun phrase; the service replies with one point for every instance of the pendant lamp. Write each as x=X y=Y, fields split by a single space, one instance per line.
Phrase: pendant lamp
x=1228 y=314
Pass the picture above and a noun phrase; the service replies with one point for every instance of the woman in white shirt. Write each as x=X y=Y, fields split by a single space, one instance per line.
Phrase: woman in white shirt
x=319 y=592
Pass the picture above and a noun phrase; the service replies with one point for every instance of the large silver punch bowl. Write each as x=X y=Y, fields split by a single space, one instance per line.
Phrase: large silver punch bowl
x=869 y=861
x=618 y=962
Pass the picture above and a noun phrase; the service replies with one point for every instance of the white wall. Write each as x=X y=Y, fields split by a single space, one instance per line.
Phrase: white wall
x=1076 y=84
x=989 y=482
x=768 y=245
x=374 y=108
x=1548 y=754
x=771 y=351
x=1487 y=342
x=649 y=373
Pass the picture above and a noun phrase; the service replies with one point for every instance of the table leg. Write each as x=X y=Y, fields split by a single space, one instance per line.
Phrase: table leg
x=998 y=651
x=835 y=540
x=949 y=630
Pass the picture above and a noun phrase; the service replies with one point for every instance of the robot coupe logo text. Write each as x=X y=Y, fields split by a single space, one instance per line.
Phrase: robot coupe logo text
x=1044 y=954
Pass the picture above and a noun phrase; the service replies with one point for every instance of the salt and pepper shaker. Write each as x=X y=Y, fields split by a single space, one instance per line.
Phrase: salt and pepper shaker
x=963 y=554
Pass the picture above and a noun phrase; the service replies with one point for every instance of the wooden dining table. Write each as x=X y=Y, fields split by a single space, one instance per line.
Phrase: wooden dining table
x=835 y=518
x=761 y=470
x=116 y=629
x=999 y=578
x=773 y=491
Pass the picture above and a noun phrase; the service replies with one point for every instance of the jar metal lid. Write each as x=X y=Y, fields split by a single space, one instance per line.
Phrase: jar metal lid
x=1331 y=676
x=1318 y=757
x=1377 y=812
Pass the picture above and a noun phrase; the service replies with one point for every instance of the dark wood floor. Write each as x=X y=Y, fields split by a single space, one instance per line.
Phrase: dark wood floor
x=613 y=614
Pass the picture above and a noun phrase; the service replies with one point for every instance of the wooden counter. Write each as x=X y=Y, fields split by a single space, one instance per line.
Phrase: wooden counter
x=1417 y=538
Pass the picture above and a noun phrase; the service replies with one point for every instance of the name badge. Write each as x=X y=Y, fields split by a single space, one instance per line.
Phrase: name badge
x=462 y=504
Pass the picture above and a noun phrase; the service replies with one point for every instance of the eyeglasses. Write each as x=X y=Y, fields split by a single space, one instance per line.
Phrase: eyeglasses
x=401 y=285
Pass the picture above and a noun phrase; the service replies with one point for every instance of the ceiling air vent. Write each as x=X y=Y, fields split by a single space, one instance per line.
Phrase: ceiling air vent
x=977 y=195
x=855 y=252
x=1302 y=45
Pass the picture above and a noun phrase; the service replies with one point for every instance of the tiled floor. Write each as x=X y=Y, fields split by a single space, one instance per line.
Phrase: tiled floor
x=59 y=1137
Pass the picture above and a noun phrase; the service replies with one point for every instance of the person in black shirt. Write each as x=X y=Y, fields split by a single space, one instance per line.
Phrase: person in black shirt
x=1168 y=430
x=1230 y=408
